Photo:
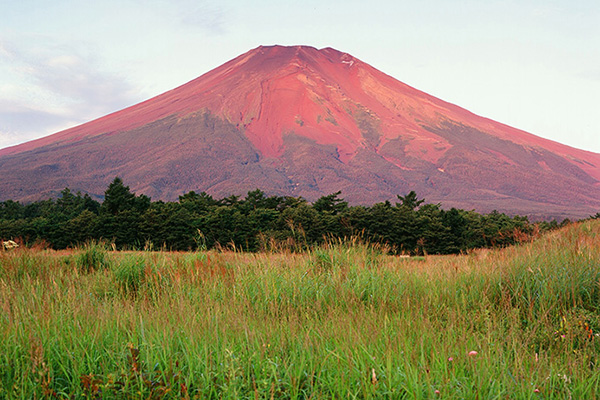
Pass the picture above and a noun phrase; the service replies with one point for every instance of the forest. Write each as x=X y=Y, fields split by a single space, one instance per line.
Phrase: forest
x=257 y=223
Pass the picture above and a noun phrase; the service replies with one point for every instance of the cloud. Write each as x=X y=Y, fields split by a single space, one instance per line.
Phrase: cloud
x=209 y=17
x=76 y=78
x=593 y=75
x=21 y=123
x=49 y=86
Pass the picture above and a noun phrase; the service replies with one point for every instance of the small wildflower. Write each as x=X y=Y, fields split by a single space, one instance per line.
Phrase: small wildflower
x=437 y=392
x=472 y=353
x=565 y=378
x=450 y=359
x=536 y=390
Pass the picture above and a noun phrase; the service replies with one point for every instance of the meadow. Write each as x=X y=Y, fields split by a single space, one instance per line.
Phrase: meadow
x=343 y=320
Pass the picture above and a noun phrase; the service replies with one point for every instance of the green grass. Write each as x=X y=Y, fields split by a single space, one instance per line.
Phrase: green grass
x=341 y=321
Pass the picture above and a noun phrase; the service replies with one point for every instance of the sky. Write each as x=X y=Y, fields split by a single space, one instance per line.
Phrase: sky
x=531 y=64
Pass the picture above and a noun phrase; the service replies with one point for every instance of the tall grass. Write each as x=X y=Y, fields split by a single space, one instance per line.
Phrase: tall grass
x=338 y=321
x=93 y=256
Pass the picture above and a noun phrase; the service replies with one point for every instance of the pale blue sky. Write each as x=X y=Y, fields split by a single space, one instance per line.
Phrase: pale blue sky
x=531 y=64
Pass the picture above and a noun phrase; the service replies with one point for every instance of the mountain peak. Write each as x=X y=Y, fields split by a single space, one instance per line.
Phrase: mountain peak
x=302 y=53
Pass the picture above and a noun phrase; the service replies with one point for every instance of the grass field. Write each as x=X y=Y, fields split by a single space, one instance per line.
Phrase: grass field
x=343 y=321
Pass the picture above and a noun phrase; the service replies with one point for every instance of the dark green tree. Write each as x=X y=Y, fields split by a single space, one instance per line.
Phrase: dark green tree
x=117 y=198
x=410 y=201
x=121 y=215
x=330 y=204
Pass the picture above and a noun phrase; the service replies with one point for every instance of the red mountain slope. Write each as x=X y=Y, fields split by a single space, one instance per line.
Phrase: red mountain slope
x=308 y=122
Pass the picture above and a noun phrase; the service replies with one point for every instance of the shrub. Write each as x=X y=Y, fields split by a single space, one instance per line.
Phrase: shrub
x=93 y=257
x=130 y=274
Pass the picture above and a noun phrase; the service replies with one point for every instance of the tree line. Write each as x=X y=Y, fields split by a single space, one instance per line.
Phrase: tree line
x=257 y=222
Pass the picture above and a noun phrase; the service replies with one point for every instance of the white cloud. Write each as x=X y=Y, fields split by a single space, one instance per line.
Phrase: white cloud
x=208 y=16
x=205 y=16
x=593 y=75
x=49 y=86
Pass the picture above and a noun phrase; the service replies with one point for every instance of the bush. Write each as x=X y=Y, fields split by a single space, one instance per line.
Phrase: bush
x=130 y=274
x=93 y=257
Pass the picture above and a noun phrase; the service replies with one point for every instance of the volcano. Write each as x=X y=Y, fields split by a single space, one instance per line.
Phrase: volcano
x=308 y=122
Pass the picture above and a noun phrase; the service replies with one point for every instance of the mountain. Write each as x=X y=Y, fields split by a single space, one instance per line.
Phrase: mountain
x=306 y=122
